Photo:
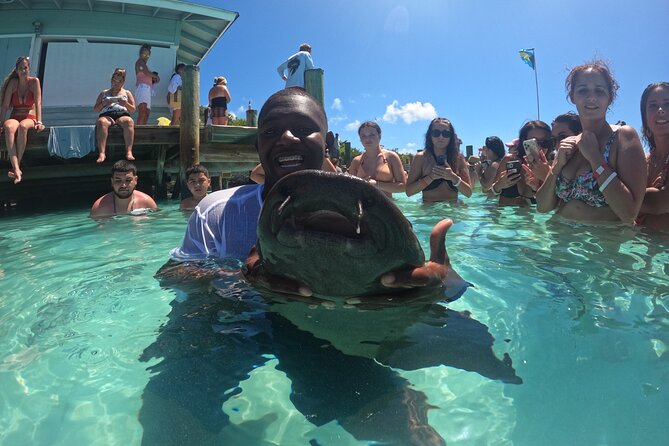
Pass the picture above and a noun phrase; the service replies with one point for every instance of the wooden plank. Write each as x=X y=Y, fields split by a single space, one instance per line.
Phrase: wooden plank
x=231 y=134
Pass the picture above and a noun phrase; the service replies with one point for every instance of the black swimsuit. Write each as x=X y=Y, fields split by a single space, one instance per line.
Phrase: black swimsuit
x=436 y=183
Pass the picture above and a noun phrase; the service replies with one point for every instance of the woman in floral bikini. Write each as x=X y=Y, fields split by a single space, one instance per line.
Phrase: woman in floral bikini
x=600 y=175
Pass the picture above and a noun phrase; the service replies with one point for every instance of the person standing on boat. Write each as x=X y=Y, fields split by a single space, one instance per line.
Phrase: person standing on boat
x=292 y=70
x=115 y=105
x=144 y=85
x=123 y=199
x=23 y=95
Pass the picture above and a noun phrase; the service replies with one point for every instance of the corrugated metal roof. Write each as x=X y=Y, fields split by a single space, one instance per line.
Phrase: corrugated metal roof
x=201 y=26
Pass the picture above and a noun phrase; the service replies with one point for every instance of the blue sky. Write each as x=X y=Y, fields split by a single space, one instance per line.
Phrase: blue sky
x=404 y=62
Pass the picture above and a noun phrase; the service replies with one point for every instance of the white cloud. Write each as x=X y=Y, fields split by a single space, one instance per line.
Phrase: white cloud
x=337 y=119
x=336 y=104
x=409 y=112
x=411 y=145
x=241 y=110
x=352 y=126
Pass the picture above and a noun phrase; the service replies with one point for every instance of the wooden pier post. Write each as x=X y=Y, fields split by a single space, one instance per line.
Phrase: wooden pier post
x=313 y=83
x=189 y=128
x=251 y=118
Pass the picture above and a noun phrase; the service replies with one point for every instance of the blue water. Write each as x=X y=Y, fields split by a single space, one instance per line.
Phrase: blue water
x=94 y=351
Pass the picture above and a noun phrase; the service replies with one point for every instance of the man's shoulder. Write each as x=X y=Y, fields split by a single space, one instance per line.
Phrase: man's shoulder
x=144 y=200
x=222 y=197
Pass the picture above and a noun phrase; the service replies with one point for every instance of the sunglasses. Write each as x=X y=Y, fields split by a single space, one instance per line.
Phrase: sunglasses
x=445 y=133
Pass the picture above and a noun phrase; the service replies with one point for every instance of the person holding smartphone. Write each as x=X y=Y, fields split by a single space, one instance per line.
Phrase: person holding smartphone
x=510 y=183
x=115 y=105
x=440 y=171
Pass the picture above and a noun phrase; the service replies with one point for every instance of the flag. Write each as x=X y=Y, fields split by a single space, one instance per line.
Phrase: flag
x=528 y=57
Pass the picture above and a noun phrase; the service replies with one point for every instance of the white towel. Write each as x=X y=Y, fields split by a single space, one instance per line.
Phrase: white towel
x=74 y=141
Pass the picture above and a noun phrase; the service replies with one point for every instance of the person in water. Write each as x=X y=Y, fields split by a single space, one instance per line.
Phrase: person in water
x=440 y=171
x=291 y=137
x=198 y=182
x=380 y=167
x=22 y=94
x=599 y=175
x=115 y=105
x=655 y=120
x=123 y=199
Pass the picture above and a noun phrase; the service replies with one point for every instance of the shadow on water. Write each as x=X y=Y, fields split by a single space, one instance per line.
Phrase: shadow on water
x=340 y=361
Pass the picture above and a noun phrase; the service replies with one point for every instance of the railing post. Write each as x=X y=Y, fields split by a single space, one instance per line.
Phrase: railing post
x=189 y=128
x=313 y=83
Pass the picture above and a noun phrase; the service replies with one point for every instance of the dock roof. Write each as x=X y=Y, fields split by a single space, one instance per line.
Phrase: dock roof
x=200 y=26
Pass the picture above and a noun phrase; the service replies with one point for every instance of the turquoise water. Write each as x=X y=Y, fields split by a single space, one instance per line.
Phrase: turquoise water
x=94 y=351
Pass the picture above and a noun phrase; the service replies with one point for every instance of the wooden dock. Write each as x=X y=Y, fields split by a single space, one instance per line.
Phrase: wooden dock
x=223 y=150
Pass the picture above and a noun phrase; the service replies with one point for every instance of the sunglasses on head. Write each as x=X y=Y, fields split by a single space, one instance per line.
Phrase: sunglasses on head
x=445 y=133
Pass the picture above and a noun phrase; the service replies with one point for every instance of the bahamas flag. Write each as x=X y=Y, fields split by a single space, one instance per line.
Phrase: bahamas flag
x=527 y=56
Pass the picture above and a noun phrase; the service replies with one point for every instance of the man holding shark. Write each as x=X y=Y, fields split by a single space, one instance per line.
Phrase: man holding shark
x=292 y=130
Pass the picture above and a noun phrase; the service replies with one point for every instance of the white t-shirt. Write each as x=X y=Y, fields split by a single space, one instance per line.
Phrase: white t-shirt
x=223 y=224
x=295 y=67
x=175 y=83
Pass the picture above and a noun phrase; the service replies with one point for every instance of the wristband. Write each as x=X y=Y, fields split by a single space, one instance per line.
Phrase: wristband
x=600 y=170
x=607 y=181
x=458 y=183
x=492 y=189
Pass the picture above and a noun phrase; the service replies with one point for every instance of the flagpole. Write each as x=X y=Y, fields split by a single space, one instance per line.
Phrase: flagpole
x=536 y=80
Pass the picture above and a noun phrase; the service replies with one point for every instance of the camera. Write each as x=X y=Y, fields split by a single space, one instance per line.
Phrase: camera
x=513 y=166
x=441 y=160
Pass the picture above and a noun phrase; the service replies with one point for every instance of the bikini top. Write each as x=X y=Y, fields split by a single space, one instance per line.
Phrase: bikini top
x=362 y=163
x=584 y=187
x=28 y=101
x=437 y=182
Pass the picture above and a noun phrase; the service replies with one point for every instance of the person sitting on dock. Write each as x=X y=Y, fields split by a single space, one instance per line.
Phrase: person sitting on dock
x=296 y=65
x=174 y=93
x=144 y=85
x=198 y=182
x=115 y=105
x=23 y=95
x=123 y=199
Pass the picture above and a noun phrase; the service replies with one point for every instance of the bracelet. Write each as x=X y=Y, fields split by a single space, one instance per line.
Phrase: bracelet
x=607 y=181
x=600 y=170
x=458 y=183
x=492 y=189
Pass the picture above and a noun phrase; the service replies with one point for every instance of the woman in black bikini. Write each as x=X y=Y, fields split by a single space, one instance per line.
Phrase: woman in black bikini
x=510 y=185
x=440 y=171
x=115 y=105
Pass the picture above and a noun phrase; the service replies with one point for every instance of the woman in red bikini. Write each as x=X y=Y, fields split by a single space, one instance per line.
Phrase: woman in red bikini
x=655 y=121
x=21 y=94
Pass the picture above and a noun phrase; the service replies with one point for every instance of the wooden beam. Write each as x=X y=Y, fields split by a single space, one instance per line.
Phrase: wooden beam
x=189 y=139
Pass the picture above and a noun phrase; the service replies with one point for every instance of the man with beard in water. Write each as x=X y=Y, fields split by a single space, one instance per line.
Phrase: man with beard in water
x=123 y=199
x=292 y=128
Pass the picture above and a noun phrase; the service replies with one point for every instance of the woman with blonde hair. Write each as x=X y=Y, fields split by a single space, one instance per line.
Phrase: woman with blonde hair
x=22 y=94
x=219 y=98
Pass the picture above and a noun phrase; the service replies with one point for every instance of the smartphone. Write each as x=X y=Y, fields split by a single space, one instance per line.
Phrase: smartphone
x=531 y=147
x=114 y=98
x=513 y=166
x=441 y=160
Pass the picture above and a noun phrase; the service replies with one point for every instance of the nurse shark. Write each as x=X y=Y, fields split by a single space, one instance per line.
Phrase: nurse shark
x=338 y=235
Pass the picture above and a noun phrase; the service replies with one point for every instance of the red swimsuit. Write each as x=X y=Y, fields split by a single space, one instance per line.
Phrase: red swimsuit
x=27 y=103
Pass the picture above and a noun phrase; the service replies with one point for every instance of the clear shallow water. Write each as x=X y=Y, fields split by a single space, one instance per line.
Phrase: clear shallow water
x=93 y=351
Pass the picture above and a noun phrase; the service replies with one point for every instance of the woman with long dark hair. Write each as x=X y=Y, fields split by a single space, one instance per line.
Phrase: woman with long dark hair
x=655 y=122
x=440 y=171
x=510 y=183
